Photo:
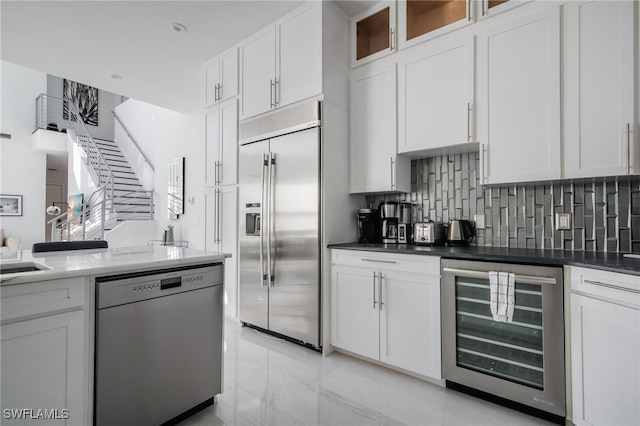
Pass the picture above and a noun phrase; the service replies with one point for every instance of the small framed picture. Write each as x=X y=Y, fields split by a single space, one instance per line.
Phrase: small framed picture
x=10 y=205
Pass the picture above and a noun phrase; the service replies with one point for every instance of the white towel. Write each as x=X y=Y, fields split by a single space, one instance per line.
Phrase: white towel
x=502 y=289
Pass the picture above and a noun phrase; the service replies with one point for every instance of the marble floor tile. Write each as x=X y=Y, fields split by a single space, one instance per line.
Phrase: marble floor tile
x=268 y=381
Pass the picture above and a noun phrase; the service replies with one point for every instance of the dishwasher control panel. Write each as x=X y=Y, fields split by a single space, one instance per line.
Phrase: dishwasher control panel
x=128 y=288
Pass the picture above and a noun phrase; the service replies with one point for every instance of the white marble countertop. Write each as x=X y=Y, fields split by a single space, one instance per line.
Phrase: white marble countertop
x=74 y=263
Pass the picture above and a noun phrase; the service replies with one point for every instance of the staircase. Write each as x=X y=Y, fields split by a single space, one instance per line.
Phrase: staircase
x=130 y=199
x=120 y=195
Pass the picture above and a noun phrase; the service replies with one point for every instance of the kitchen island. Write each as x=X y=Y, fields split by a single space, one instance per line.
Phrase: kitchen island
x=49 y=320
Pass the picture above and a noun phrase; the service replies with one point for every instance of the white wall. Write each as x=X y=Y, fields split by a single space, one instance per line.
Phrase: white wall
x=164 y=135
x=23 y=170
x=107 y=102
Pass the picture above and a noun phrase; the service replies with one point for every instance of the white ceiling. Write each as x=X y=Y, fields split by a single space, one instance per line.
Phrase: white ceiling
x=88 y=41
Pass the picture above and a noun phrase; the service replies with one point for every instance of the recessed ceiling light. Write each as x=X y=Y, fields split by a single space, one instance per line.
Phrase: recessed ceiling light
x=179 y=28
x=116 y=76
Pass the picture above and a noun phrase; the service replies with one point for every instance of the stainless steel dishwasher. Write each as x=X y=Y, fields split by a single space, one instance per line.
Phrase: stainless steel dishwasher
x=158 y=344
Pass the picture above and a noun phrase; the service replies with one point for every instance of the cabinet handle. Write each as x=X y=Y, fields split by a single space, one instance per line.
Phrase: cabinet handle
x=219 y=172
x=469 y=10
x=219 y=92
x=613 y=286
x=391 y=40
x=375 y=277
x=276 y=92
x=484 y=9
x=393 y=184
x=271 y=93
x=381 y=277
x=377 y=260
x=483 y=164
x=468 y=121
x=628 y=148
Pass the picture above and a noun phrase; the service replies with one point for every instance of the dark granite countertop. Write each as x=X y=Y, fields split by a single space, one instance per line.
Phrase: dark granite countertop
x=613 y=262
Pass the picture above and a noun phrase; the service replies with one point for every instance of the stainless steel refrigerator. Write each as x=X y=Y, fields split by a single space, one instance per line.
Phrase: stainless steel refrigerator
x=279 y=197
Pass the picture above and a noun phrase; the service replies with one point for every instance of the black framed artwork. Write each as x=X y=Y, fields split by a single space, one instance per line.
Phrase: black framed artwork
x=85 y=99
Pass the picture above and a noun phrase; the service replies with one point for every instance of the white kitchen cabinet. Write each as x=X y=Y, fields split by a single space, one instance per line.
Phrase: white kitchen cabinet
x=600 y=89
x=221 y=76
x=221 y=235
x=45 y=351
x=222 y=144
x=373 y=33
x=518 y=104
x=489 y=8
x=282 y=64
x=387 y=307
x=605 y=347
x=354 y=310
x=420 y=20
x=374 y=163
x=436 y=96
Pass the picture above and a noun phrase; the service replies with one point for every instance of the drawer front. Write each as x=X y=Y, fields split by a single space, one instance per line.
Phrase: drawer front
x=387 y=261
x=613 y=286
x=35 y=299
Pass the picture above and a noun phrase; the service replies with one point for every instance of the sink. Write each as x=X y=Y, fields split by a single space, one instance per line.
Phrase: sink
x=14 y=268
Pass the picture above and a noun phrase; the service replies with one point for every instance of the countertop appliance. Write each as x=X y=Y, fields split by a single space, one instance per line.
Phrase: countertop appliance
x=428 y=233
x=280 y=217
x=388 y=222
x=521 y=361
x=158 y=344
x=460 y=232
x=404 y=222
x=368 y=228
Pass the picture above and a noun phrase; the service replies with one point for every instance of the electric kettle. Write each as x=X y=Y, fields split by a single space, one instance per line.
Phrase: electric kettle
x=460 y=232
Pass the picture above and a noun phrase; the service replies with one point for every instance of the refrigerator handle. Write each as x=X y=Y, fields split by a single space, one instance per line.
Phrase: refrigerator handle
x=272 y=202
x=262 y=222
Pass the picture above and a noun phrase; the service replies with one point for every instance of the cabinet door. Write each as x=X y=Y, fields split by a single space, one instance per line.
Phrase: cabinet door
x=373 y=133
x=605 y=349
x=519 y=99
x=354 y=310
x=221 y=228
x=212 y=146
x=258 y=56
x=228 y=168
x=600 y=88
x=299 y=59
x=44 y=367
x=212 y=81
x=373 y=33
x=420 y=20
x=410 y=322
x=436 y=96
x=228 y=75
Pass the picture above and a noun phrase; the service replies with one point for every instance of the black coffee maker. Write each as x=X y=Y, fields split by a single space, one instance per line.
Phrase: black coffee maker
x=368 y=228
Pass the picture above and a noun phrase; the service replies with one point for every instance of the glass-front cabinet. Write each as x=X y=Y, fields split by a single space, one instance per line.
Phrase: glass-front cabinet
x=374 y=33
x=421 y=20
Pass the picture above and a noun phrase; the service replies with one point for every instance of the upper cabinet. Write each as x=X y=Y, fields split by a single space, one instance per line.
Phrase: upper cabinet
x=373 y=33
x=222 y=77
x=421 y=20
x=518 y=105
x=600 y=88
x=282 y=64
x=436 y=97
x=374 y=163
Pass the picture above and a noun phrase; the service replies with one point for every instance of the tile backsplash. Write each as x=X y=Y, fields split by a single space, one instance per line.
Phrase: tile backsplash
x=605 y=212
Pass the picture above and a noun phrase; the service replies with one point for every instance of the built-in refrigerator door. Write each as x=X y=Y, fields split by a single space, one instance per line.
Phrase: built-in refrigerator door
x=294 y=294
x=254 y=290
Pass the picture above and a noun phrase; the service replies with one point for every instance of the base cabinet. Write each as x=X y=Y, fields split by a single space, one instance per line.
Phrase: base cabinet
x=44 y=366
x=221 y=229
x=605 y=348
x=382 y=312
